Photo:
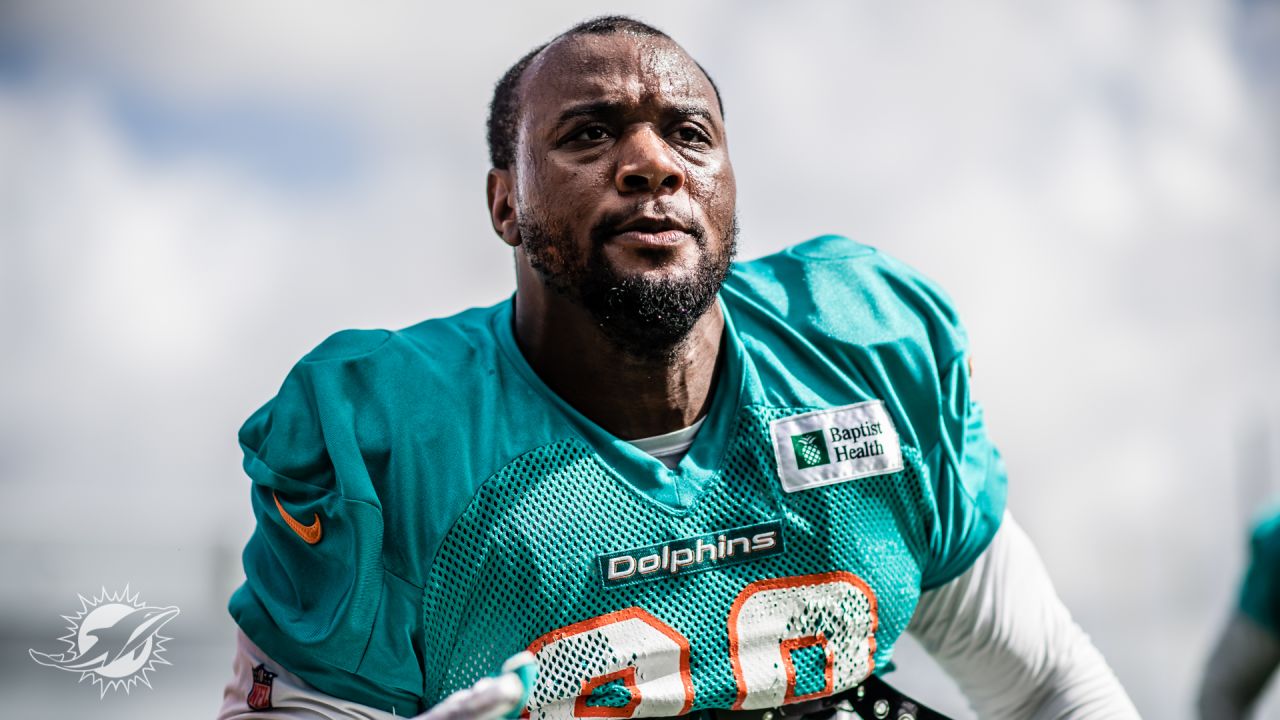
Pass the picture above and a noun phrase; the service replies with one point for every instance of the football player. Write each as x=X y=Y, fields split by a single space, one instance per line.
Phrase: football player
x=684 y=487
x=1248 y=650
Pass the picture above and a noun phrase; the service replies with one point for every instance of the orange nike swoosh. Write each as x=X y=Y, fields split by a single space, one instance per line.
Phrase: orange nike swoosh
x=310 y=534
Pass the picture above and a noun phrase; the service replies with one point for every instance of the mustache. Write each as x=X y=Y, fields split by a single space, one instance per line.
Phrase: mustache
x=611 y=223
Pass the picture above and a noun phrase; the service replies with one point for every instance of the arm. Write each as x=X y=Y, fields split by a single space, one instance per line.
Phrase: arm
x=1243 y=660
x=1001 y=632
x=320 y=596
x=1248 y=650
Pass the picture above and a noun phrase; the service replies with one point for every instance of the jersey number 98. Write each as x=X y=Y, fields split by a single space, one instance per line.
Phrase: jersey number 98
x=790 y=639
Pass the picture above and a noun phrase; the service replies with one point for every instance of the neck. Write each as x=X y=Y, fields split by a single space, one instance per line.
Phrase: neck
x=631 y=397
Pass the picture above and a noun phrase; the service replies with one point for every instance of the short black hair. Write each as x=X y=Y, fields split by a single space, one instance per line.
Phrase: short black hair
x=504 y=108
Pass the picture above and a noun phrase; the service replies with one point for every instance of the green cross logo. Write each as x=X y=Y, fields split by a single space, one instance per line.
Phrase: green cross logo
x=811 y=449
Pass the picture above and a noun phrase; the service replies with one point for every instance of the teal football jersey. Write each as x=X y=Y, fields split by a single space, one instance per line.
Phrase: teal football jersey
x=1260 y=592
x=427 y=506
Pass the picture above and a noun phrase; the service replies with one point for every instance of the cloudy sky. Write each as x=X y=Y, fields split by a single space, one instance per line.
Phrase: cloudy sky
x=191 y=196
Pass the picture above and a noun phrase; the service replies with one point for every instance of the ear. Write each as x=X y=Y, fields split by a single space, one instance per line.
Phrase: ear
x=502 y=207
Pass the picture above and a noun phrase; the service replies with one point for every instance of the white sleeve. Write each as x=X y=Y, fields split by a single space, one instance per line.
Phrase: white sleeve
x=1243 y=660
x=262 y=690
x=1000 y=631
x=283 y=695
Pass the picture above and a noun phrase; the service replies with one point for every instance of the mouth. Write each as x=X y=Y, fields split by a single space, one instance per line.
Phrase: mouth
x=650 y=233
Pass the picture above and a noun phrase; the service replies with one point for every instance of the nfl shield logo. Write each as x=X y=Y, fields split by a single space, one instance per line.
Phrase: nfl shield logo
x=260 y=695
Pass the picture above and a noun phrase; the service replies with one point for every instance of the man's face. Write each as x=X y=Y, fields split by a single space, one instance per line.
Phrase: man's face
x=624 y=193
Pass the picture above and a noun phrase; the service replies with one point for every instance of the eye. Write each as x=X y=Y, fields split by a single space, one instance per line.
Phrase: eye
x=691 y=135
x=590 y=133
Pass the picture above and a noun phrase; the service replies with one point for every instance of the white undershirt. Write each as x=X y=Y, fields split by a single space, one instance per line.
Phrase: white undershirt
x=1000 y=631
x=671 y=447
x=1242 y=662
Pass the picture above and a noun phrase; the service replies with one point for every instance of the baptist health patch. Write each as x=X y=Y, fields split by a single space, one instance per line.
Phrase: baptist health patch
x=825 y=447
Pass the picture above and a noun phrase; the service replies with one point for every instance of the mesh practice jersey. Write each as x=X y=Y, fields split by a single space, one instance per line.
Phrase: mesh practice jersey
x=427 y=506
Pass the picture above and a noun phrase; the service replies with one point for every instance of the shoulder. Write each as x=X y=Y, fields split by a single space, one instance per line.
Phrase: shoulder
x=364 y=383
x=1265 y=546
x=445 y=343
x=346 y=345
x=831 y=322
x=437 y=351
x=1266 y=534
x=835 y=289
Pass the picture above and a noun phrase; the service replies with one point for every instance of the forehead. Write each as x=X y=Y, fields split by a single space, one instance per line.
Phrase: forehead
x=620 y=67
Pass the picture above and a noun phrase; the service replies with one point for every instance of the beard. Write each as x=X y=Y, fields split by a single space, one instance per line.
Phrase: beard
x=646 y=318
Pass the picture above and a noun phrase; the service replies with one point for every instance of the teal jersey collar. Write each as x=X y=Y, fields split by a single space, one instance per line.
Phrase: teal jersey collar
x=675 y=489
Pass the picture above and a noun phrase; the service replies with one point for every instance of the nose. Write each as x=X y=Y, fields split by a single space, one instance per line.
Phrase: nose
x=647 y=164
